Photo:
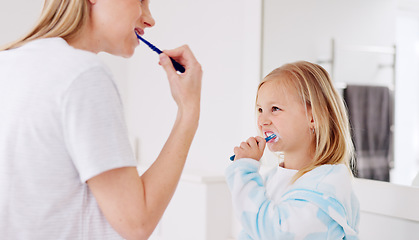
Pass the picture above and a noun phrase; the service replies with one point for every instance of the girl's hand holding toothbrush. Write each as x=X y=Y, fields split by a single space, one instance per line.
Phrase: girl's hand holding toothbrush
x=253 y=148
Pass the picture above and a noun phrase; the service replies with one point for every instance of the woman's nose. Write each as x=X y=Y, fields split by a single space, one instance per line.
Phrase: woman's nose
x=146 y=18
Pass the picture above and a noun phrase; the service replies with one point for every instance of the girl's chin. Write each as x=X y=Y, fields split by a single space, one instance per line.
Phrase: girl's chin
x=273 y=148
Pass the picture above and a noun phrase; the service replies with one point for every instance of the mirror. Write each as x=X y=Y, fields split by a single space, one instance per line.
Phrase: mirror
x=370 y=43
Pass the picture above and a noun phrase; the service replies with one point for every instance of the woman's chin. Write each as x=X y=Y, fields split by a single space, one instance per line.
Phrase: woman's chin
x=127 y=53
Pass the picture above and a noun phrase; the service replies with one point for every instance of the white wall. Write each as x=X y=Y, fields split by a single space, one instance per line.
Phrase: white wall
x=407 y=105
x=303 y=29
x=17 y=17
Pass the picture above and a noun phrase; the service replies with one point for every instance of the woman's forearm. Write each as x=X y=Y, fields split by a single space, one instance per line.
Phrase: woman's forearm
x=161 y=179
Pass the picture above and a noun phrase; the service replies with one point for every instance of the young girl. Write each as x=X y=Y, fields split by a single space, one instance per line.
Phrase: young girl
x=309 y=195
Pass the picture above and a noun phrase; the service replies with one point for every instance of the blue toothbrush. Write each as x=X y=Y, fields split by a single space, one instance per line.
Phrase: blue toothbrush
x=266 y=139
x=176 y=65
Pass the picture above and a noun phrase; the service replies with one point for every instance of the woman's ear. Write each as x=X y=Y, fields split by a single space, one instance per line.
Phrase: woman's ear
x=92 y=2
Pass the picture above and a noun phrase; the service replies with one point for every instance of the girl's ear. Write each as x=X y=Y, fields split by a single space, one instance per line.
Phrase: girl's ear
x=312 y=123
x=92 y=2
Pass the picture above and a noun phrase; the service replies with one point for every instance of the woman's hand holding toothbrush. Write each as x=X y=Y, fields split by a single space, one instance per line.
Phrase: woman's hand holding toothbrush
x=185 y=87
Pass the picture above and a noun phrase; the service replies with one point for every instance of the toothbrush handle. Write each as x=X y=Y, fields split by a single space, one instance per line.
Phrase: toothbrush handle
x=177 y=66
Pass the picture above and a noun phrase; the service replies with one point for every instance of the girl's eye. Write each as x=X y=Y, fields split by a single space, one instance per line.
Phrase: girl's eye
x=274 y=109
x=260 y=110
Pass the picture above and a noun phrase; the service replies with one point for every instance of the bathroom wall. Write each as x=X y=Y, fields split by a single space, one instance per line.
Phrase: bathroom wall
x=407 y=105
x=303 y=29
x=17 y=17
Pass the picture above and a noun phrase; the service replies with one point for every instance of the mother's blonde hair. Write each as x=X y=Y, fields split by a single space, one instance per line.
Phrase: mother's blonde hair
x=333 y=143
x=59 y=18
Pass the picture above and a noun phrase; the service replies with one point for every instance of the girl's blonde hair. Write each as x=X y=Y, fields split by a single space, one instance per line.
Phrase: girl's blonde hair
x=333 y=143
x=59 y=18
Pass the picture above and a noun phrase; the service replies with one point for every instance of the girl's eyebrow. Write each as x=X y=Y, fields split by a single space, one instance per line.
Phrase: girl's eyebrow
x=276 y=103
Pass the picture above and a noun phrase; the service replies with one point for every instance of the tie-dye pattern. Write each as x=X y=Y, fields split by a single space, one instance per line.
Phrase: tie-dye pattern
x=319 y=206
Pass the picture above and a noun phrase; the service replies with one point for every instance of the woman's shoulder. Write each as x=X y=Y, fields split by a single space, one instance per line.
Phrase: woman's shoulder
x=61 y=60
x=57 y=53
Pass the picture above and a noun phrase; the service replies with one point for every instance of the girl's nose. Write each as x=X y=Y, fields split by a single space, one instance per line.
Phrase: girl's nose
x=263 y=120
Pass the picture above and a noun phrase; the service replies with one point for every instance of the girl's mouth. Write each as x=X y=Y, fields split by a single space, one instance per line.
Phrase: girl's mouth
x=270 y=139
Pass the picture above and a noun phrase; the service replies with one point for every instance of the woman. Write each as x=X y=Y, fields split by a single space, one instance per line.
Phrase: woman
x=66 y=167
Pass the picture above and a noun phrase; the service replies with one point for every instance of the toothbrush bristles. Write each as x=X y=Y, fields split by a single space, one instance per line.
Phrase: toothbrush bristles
x=270 y=137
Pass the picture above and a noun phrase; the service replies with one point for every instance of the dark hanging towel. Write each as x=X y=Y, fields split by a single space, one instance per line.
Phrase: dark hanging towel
x=369 y=110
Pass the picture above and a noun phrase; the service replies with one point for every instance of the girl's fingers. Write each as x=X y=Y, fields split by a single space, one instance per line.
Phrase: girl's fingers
x=261 y=143
x=236 y=150
x=252 y=142
x=244 y=145
x=252 y=148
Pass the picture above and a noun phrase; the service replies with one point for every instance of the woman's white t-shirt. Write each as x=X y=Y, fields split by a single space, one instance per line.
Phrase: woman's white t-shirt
x=61 y=123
